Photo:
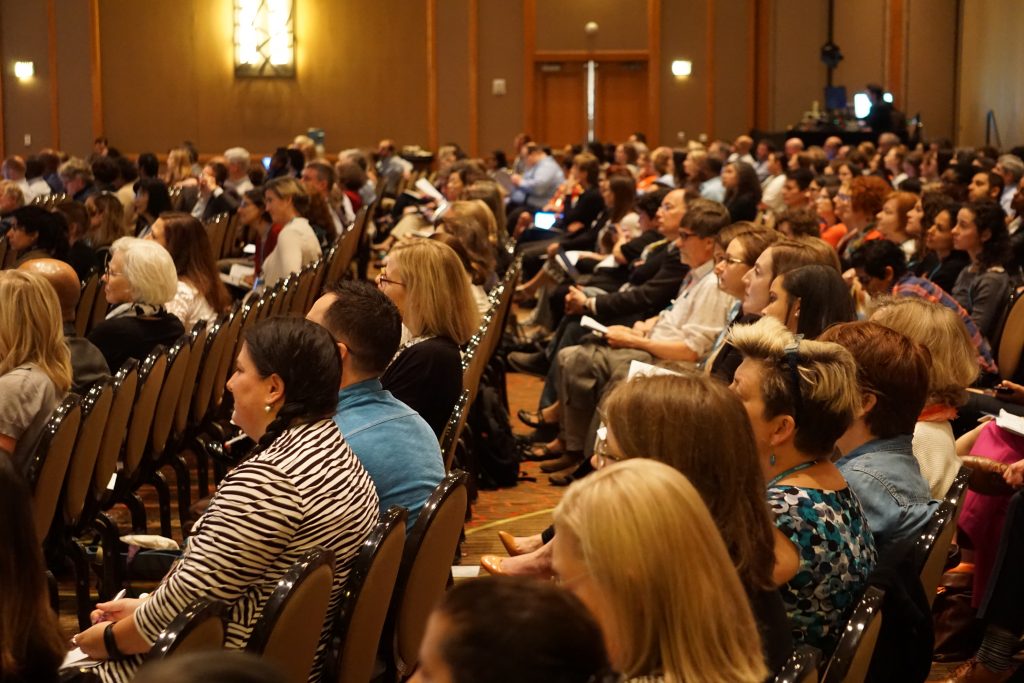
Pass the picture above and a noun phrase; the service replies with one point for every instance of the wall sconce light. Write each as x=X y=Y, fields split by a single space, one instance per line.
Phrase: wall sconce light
x=24 y=71
x=682 y=68
x=265 y=38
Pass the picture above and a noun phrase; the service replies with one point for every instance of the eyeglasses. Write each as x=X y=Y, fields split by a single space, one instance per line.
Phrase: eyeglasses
x=601 y=452
x=382 y=279
x=685 y=235
x=109 y=273
x=792 y=359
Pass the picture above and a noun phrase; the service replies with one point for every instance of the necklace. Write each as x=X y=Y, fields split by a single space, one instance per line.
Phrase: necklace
x=792 y=470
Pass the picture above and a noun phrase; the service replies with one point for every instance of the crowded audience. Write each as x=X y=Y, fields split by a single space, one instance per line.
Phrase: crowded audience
x=828 y=321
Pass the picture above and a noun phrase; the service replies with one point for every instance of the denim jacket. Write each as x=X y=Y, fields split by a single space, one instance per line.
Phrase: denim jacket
x=886 y=478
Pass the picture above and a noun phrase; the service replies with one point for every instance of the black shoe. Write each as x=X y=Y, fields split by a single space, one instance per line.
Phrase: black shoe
x=563 y=463
x=529 y=363
x=583 y=470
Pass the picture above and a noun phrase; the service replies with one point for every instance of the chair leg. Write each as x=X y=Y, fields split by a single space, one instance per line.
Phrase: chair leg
x=109 y=541
x=51 y=585
x=83 y=599
x=202 y=467
x=184 y=479
x=163 y=496
x=138 y=511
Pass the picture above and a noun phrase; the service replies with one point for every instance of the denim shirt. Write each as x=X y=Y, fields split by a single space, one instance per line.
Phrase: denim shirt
x=395 y=445
x=887 y=479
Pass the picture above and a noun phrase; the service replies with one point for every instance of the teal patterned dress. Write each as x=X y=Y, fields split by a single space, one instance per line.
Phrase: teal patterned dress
x=837 y=553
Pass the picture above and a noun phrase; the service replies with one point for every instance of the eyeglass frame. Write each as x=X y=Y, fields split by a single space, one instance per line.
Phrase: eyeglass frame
x=383 y=278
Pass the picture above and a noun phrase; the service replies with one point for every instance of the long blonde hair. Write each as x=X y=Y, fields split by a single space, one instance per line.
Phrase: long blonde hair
x=677 y=602
x=31 y=327
x=438 y=295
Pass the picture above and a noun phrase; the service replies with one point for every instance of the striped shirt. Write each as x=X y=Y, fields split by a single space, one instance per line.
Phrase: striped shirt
x=306 y=490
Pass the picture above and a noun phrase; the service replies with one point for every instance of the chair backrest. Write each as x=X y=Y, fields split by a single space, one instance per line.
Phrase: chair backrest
x=1011 y=338
x=96 y=406
x=48 y=467
x=321 y=273
x=215 y=229
x=425 y=570
x=288 y=630
x=199 y=628
x=212 y=350
x=227 y=358
x=86 y=301
x=151 y=380
x=197 y=344
x=852 y=657
x=957 y=490
x=453 y=430
x=348 y=244
x=301 y=302
x=178 y=357
x=365 y=600
x=801 y=667
x=126 y=384
x=99 y=307
x=932 y=546
x=230 y=236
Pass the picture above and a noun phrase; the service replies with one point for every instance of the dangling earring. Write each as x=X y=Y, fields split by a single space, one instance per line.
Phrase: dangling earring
x=269 y=407
x=771 y=460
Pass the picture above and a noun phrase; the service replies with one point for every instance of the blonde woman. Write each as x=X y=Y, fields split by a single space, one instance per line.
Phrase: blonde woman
x=179 y=169
x=297 y=244
x=665 y=615
x=35 y=364
x=954 y=367
x=432 y=291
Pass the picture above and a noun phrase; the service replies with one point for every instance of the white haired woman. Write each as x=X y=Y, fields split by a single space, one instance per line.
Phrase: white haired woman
x=139 y=281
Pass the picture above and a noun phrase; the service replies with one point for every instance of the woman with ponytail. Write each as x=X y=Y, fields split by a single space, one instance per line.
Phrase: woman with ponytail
x=300 y=488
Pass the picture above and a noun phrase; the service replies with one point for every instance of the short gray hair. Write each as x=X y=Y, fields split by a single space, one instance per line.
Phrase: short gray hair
x=149 y=269
x=237 y=155
x=1012 y=164
x=76 y=168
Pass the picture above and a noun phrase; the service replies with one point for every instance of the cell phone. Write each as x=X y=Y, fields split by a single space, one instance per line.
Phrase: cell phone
x=1004 y=391
x=545 y=220
x=266 y=163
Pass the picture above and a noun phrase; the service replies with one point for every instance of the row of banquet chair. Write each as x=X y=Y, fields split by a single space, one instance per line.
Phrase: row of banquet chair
x=99 y=449
x=392 y=586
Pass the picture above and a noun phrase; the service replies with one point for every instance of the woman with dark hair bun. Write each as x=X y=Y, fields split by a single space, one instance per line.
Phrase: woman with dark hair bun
x=300 y=488
x=478 y=623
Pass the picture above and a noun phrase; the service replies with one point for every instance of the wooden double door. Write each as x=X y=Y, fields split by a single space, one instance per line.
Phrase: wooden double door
x=561 y=101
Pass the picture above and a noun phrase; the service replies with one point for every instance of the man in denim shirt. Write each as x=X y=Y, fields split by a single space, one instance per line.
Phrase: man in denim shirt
x=877 y=454
x=395 y=445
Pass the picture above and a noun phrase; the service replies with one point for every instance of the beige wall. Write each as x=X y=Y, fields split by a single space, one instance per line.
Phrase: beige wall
x=991 y=59
x=351 y=82
x=931 y=65
x=501 y=56
x=167 y=68
x=26 y=104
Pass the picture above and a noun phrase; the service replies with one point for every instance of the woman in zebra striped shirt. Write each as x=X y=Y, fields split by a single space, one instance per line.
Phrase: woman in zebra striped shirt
x=302 y=487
